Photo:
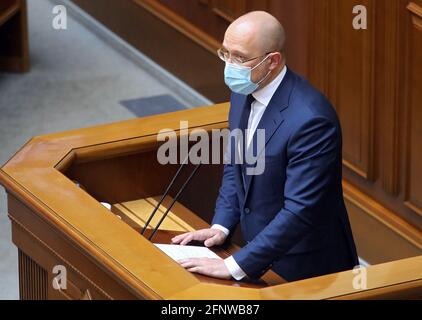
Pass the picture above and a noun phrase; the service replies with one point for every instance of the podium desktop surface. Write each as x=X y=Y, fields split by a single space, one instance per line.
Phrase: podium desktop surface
x=58 y=224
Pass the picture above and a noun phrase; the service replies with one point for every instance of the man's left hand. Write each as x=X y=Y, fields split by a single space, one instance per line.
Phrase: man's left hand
x=210 y=267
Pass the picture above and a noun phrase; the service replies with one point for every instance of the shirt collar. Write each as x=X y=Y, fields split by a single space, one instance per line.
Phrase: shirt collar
x=265 y=94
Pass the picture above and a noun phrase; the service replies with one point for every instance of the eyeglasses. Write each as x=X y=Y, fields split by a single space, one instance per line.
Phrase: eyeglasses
x=225 y=56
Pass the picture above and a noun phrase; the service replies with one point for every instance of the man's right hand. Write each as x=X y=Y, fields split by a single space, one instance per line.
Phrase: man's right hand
x=211 y=237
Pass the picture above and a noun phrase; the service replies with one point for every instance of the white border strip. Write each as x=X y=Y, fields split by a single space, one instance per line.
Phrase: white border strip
x=187 y=93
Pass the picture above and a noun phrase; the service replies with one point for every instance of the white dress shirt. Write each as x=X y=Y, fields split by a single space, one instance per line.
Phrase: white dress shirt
x=262 y=99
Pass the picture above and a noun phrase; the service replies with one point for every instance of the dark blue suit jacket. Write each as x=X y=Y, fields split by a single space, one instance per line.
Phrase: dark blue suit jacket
x=292 y=216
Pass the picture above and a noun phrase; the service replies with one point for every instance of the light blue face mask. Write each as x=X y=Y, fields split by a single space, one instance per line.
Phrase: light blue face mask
x=239 y=78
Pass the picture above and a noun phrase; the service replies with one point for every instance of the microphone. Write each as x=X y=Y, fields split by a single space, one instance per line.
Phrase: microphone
x=166 y=193
x=174 y=200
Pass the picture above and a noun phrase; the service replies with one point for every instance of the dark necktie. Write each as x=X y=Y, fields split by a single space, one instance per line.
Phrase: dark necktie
x=243 y=126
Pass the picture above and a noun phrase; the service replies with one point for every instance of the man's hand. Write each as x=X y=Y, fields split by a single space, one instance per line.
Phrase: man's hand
x=210 y=267
x=211 y=237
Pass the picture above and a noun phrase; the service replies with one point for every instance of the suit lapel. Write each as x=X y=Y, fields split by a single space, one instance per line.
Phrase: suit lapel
x=272 y=119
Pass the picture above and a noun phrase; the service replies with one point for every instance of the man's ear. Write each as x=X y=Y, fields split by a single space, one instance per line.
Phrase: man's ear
x=276 y=60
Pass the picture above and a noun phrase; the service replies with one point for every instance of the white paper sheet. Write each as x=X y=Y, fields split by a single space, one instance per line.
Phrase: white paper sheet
x=177 y=252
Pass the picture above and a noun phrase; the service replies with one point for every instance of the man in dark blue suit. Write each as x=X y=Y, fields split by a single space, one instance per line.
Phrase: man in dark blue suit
x=292 y=214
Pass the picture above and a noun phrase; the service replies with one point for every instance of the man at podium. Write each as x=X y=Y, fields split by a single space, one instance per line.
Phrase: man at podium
x=292 y=216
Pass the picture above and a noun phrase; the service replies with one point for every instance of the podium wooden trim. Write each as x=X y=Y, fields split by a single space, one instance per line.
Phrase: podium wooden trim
x=180 y=220
x=54 y=222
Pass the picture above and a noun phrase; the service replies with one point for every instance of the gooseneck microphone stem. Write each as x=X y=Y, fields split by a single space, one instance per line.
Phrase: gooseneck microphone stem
x=164 y=195
x=174 y=200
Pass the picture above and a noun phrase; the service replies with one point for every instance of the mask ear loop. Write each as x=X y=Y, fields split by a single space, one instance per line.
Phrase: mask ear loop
x=266 y=76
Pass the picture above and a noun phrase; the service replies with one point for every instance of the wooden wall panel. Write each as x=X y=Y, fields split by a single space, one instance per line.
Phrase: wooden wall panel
x=341 y=64
x=413 y=103
x=210 y=16
x=350 y=85
x=362 y=73
x=228 y=10
x=387 y=88
x=319 y=41
x=296 y=18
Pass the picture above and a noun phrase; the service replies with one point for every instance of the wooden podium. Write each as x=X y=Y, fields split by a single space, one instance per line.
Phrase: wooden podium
x=55 y=184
